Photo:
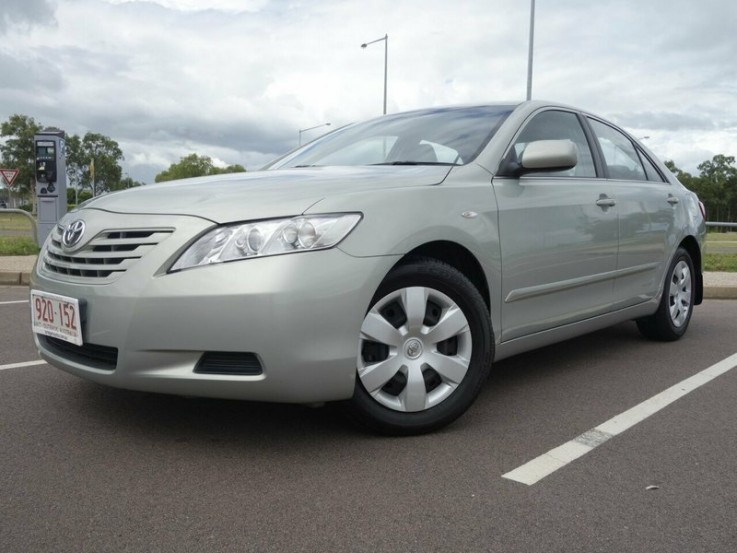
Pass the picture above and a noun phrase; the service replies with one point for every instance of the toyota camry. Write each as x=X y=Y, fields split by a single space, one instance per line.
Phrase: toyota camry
x=386 y=265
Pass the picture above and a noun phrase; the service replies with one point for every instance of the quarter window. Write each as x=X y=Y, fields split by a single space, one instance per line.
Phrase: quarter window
x=650 y=170
x=620 y=155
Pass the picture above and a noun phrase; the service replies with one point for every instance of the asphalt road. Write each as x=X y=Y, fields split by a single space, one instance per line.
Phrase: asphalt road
x=90 y=469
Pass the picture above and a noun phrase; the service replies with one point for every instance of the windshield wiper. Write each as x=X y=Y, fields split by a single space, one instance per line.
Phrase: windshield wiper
x=416 y=163
x=303 y=166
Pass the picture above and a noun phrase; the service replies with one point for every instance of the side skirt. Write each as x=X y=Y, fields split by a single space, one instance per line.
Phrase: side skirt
x=566 y=332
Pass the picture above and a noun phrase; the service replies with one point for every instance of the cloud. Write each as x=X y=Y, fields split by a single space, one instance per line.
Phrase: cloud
x=25 y=13
x=236 y=79
x=664 y=121
x=232 y=6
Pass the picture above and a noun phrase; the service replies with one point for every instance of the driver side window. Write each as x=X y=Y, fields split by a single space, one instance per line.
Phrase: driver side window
x=558 y=125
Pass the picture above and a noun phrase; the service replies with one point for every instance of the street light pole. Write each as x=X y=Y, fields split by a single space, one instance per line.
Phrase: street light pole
x=529 y=54
x=309 y=129
x=385 y=38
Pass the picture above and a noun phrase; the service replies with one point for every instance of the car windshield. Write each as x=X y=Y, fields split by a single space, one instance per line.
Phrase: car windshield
x=437 y=136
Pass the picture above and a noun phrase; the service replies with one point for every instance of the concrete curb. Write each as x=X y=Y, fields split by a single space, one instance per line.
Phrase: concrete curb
x=13 y=278
x=16 y=278
x=720 y=293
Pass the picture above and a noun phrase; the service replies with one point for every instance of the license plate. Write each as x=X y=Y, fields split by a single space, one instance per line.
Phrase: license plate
x=56 y=316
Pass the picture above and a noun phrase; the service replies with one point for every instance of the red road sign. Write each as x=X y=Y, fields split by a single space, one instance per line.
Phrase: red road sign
x=9 y=175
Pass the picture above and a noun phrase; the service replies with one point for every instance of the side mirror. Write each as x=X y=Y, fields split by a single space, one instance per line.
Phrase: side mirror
x=548 y=155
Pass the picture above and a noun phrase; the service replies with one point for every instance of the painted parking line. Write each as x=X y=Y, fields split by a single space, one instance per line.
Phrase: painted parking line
x=13 y=302
x=23 y=364
x=547 y=463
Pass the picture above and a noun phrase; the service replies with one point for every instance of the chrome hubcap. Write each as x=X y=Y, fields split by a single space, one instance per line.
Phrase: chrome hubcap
x=415 y=349
x=679 y=296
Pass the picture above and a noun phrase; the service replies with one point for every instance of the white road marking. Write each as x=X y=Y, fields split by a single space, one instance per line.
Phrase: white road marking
x=12 y=302
x=547 y=463
x=23 y=364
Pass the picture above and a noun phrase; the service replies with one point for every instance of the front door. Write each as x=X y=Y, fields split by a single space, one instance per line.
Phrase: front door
x=558 y=235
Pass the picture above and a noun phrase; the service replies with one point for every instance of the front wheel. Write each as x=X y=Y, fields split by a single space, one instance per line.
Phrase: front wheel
x=424 y=350
x=671 y=319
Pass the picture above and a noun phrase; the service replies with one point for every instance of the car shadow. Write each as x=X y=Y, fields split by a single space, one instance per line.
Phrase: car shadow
x=204 y=420
x=207 y=421
x=568 y=355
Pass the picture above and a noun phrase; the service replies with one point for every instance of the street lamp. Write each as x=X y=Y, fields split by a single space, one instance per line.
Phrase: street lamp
x=309 y=129
x=385 y=38
x=529 y=53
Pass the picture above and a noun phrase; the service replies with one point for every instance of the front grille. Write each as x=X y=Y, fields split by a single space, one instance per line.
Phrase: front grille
x=228 y=362
x=91 y=355
x=105 y=257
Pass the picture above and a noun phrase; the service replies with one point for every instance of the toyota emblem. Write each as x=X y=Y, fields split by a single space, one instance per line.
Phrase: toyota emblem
x=73 y=233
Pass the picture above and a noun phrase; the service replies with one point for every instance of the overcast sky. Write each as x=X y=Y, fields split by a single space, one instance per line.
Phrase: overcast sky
x=237 y=80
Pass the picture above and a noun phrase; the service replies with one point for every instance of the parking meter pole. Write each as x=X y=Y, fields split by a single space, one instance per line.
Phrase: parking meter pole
x=51 y=180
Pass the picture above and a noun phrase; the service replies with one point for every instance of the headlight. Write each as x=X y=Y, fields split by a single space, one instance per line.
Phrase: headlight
x=262 y=238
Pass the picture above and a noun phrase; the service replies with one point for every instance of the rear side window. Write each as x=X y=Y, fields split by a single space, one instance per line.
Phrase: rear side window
x=558 y=125
x=620 y=155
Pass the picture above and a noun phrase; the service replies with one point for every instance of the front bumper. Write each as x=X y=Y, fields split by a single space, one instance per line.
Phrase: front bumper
x=300 y=314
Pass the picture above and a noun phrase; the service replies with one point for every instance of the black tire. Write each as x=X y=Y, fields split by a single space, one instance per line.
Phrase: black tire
x=446 y=291
x=671 y=320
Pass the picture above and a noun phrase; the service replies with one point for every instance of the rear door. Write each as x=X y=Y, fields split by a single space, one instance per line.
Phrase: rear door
x=558 y=234
x=646 y=216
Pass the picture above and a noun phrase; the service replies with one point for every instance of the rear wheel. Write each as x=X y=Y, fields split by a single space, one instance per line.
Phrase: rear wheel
x=670 y=321
x=424 y=350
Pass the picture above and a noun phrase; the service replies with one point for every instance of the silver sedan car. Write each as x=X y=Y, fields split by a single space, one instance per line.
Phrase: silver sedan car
x=385 y=265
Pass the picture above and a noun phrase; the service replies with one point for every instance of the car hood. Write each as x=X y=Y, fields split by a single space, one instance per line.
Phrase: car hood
x=263 y=194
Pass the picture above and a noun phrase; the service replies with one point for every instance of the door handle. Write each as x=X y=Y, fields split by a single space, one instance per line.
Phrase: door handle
x=672 y=200
x=605 y=201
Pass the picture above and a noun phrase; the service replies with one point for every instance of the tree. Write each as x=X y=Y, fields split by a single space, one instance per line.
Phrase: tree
x=194 y=165
x=128 y=182
x=18 y=151
x=719 y=183
x=76 y=197
x=76 y=162
x=686 y=179
x=235 y=168
x=716 y=186
x=98 y=151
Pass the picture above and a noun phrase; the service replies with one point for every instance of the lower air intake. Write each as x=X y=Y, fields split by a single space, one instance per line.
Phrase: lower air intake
x=91 y=355
x=228 y=362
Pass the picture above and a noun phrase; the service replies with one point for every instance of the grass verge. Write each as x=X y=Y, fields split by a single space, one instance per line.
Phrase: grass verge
x=723 y=262
x=17 y=245
x=24 y=245
x=721 y=237
x=14 y=221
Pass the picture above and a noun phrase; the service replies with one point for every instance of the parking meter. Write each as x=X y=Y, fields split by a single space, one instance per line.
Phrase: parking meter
x=51 y=180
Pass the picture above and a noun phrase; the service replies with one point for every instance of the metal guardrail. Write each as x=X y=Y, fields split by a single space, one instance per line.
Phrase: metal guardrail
x=30 y=218
x=726 y=225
